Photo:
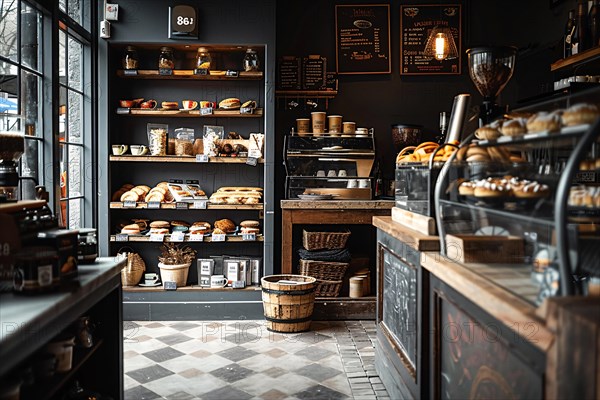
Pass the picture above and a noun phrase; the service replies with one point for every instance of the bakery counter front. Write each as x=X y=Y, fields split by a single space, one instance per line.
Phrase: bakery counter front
x=49 y=341
x=449 y=329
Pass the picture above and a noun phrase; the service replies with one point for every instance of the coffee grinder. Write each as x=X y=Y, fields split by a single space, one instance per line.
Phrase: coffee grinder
x=490 y=69
x=12 y=146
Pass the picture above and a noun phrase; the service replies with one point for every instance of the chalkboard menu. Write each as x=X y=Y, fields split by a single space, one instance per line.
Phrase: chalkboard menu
x=289 y=73
x=314 y=72
x=416 y=22
x=363 y=39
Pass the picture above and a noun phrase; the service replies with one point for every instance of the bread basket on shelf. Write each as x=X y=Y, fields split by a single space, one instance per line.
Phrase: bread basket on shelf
x=134 y=267
x=329 y=275
x=324 y=240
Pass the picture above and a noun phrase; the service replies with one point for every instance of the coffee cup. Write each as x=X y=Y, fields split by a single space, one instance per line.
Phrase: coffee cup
x=148 y=104
x=349 y=127
x=321 y=173
x=218 y=281
x=138 y=149
x=119 y=149
x=208 y=104
x=352 y=183
x=189 y=104
x=334 y=123
x=362 y=131
x=331 y=173
x=150 y=278
x=318 y=121
x=302 y=125
x=342 y=173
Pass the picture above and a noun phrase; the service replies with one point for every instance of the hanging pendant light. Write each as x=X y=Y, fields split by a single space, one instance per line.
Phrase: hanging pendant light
x=440 y=44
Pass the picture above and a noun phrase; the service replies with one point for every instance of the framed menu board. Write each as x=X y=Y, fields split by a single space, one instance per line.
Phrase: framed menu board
x=362 y=37
x=416 y=22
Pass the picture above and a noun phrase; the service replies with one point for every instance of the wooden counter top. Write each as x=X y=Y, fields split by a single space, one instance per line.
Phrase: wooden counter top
x=338 y=204
x=411 y=238
x=29 y=321
x=517 y=314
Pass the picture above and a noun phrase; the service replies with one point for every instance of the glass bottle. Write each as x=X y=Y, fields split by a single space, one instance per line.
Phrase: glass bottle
x=569 y=30
x=203 y=59
x=130 y=59
x=165 y=59
x=580 y=39
x=594 y=23
x=251 y=60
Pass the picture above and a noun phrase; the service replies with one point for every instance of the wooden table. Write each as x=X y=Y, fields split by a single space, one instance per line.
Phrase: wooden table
x=327 y=212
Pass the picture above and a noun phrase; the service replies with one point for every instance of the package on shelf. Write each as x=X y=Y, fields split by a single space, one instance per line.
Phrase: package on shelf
x=210 y=139
x=195 y=190
x=255 y=147
x=179 y=190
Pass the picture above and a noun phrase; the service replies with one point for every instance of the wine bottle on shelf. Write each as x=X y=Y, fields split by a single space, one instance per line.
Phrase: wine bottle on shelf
x=594 y=23
x=581 y=38
x=569 y=30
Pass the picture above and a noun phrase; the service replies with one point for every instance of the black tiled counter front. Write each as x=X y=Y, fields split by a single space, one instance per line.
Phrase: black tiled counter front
x=29 y=322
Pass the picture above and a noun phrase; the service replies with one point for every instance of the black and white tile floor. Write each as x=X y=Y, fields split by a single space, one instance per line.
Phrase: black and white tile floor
x=242 y=360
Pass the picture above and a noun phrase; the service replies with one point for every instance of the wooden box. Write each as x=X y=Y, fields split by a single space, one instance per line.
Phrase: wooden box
x=485 y=249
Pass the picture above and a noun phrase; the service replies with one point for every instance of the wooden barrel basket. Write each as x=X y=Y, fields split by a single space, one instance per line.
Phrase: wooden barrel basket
x=288 y=307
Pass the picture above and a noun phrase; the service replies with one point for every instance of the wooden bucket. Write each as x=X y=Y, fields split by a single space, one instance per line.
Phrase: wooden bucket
x=288 y=307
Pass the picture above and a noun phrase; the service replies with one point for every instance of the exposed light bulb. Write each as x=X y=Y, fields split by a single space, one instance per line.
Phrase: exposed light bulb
x=440 y=46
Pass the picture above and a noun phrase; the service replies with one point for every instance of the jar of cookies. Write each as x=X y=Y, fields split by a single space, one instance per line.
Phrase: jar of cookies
x=157 y=139
x=130 y=58
x=250 y=61
x=166 y=59
x=203 y=59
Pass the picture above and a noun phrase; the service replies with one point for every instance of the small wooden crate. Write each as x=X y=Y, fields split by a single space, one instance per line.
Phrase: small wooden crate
x=485 y=249
x=324 y=240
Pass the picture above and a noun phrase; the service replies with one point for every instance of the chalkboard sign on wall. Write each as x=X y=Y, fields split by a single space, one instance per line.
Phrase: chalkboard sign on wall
x=416 y=22
x=362 y=35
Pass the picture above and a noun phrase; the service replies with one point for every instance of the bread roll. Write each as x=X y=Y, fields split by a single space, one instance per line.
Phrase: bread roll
x=226 y=225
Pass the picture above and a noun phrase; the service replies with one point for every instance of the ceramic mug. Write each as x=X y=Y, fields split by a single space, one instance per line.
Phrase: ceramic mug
x=119 y=149
x=363 y=183
x=139 y=149
x=189 y=104
x=321 y=173
x=148 y=104
x=352 y=183
x=342 y=173
x=208 y=104
x=331 y=173
x=150 y=278
x=218 y=281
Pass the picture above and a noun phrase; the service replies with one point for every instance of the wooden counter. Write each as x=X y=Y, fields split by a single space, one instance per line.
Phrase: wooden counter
x=411 y=238
x=327 y=212
x=30 y=321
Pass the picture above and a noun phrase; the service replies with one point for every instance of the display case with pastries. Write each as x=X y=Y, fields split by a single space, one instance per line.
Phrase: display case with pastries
x=531 y=175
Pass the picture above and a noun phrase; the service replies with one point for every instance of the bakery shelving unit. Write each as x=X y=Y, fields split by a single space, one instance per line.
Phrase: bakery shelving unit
x=128 y=126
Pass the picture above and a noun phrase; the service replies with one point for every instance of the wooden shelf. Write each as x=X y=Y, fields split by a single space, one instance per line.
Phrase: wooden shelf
x=577 y=59
x=118 y=205
x=180 y=159
x=180 y=74
x=140 y=112
x=167 y=238
x=320 y=94
x=190 y=288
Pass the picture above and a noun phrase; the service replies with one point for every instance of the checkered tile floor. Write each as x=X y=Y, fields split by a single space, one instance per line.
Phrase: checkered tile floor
x=242 y=360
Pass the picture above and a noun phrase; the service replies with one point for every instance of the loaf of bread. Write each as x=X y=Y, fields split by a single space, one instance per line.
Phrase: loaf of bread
x=226 y=225
x=230 y=103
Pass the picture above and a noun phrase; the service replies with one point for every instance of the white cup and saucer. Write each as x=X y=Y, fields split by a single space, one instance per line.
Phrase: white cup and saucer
x=150 y=279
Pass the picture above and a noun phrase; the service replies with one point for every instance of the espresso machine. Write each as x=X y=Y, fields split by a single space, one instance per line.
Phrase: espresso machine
x=329 y=166
x=490 y=69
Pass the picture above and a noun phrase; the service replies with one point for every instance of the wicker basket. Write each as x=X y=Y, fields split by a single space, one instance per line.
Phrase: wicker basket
x=324 y=270
x=328 y=288
x=324 y=240
x=133 y=270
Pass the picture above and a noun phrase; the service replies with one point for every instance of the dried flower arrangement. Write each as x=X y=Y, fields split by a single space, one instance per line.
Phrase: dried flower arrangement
x=172 y=254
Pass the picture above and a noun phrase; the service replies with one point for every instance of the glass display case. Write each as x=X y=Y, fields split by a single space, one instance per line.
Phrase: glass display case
x=524 y=212
x=332 y=165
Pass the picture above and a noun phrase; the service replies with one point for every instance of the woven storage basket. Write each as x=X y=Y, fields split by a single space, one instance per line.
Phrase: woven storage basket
x=133 y=270
x=328 y=288
x=324 y=240
x=324 y=270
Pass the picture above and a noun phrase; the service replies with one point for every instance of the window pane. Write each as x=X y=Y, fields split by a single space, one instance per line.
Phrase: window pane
x=9 y=88
x=64 y=179
x=62 y=5
x=62 y=57
x=75 y=117
x=75 y=163
x=74 y=211
x=8 y=27
x=75 y=10
x=31 y=51
x=74 y=63
x=31 y=88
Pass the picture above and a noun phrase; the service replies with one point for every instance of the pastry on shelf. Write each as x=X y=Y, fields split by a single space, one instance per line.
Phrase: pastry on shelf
x=492 y=187
x=179 y=226
x=580 y=113
x=170 y=105
x=218 y=231
x=231 y=103
x=490 y=131
x=226 y=225
x=250 y=226
x=514 y=127
x=200 y=227
x=544 y=121
x=530 y=189
x=131 y=229
x=235 y=198
x=584 y=196
x=466 y=188
x=159 y=227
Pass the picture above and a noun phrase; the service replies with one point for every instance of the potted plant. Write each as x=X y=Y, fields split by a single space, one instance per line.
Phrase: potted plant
x=174 y=263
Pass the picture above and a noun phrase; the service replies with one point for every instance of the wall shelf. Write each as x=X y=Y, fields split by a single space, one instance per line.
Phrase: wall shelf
x=181 y=159
x=117 y=205
x=577 y=59
x=183 y=74
x=167 y=238
x=258 y=113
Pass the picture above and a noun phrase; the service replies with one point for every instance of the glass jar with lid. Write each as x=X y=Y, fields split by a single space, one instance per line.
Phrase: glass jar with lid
x=251 y=61
x=130 y=58
x=166 y=59
x=203 y=59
